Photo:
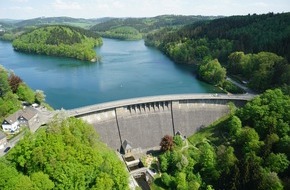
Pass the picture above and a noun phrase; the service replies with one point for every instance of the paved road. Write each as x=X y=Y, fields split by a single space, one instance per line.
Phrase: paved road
x=44 y=116
x=241 y=86
x=12 y=143
x=152 y=99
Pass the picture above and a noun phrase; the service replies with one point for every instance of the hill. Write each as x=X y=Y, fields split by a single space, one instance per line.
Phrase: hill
x=250 y=34
x=14 y=28
x=143 y=25
x=41 y=21
x=64 y=41
x=262 y=35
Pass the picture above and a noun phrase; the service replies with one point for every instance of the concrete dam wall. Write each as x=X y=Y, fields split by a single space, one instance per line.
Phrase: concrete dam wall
x=144 y=121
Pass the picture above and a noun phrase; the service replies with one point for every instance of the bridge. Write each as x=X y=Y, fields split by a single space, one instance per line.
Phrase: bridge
x=144 y=121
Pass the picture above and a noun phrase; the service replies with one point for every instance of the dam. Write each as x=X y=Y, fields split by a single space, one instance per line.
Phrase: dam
x=144 y=121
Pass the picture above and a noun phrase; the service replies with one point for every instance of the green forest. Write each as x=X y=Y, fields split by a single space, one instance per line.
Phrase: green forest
x=65 y=154
x=265 y=36
x=136 y=28
x=122 y=33
x=64 y=41
x=248 y=149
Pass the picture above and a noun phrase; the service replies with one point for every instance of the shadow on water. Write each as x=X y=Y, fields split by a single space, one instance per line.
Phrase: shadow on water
x=76 y=64
x=61 y=62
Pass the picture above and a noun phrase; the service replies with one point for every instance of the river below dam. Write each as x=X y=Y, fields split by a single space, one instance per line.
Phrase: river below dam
x=128 y=69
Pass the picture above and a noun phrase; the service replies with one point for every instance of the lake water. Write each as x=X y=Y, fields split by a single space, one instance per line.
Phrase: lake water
x=128 y=69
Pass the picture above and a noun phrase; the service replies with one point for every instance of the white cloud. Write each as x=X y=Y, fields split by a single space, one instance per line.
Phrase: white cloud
x=19 y=1
x=66 y=5
x=22 y=8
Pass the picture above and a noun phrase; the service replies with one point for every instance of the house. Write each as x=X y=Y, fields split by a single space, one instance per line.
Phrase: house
x=11 y=123
x=3 y=140
x=26 y=117
x=126 y=147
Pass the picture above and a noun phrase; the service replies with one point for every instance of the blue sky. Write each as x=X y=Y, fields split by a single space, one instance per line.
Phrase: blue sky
x=25 y=9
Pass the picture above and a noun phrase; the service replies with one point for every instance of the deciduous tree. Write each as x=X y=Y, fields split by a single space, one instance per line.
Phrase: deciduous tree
x=39 y=96
x=25 y=93
x=212 y=72
x=14 y=82
x=167 y=143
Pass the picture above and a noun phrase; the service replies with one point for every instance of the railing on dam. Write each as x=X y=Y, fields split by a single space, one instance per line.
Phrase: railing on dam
x=144 y=121
x=149 y=101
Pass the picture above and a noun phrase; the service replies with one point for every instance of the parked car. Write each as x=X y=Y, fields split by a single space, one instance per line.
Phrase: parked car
x=7 y=149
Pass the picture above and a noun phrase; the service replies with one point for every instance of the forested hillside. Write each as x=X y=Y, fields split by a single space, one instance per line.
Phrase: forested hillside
x=249 y=149
x=122 y=33
x=143 y=25
x=216 y=38
x=204 y=41
x=66 y=154
x=14 y=28
x=65 y=41
x=41 y=21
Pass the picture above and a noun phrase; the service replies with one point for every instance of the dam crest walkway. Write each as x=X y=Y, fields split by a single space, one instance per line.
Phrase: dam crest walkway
x=151 y=99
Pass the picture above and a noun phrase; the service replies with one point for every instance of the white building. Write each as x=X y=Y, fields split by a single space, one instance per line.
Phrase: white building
x=26 y=117
x=11 y=123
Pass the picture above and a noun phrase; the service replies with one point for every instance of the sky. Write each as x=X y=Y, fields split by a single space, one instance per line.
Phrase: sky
x=27 y=9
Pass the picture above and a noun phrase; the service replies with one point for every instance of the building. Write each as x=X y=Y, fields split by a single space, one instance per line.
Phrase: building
x=3 y=140
x=126 y=147
x=26 y=117
x=11 y=123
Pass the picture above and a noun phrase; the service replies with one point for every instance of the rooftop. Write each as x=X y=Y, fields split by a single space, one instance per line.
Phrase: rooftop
x=27 y=113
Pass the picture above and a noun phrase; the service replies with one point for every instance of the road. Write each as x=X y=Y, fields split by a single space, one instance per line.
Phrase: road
x=249 y=91
x=12 y=143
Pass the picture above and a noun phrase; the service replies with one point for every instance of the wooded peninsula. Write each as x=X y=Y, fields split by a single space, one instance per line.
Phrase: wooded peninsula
x=63 y=41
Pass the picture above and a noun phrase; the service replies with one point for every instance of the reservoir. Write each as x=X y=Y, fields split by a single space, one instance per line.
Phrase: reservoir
x=128 y=69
